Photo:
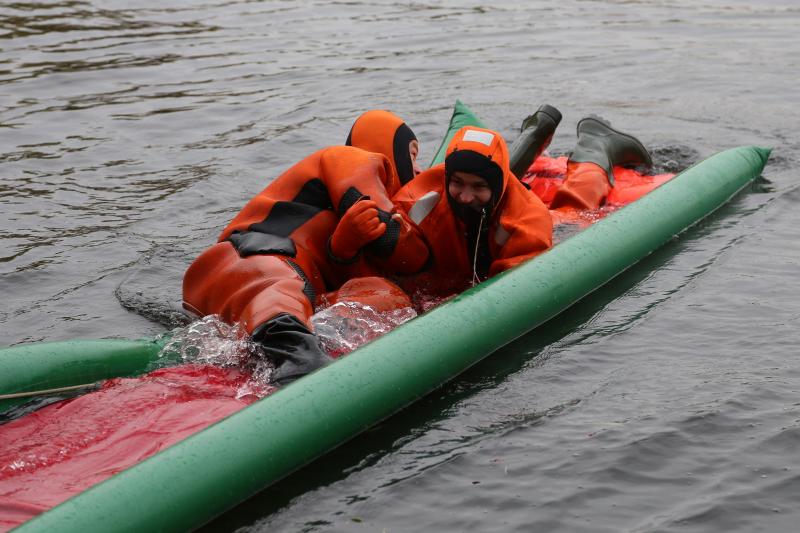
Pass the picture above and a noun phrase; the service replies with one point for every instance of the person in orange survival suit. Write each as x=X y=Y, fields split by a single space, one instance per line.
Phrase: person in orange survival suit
x=304 y=235
x=476 y=216
x=590 y=175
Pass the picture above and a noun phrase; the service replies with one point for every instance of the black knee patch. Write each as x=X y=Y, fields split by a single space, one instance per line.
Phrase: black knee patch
x=256 y=243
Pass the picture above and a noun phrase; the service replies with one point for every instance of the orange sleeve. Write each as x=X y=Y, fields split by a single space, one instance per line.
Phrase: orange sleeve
x=410 y=252
x=255 y=210
x=351 y=173
x=284 y=188
x=530 y=226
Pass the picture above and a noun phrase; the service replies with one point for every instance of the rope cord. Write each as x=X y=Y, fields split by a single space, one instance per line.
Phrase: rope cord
x=42 y=392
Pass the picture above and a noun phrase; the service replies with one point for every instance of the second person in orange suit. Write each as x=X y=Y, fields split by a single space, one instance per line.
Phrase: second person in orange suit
x=326 y=220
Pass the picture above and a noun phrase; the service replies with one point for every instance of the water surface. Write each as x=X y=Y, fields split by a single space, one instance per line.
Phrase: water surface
x=667 y=401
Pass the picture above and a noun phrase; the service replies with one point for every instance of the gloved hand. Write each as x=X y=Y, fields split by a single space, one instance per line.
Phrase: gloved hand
x=358 y=226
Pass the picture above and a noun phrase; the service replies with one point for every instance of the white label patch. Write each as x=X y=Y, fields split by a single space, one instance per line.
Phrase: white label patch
x=483 y=137
x=423 y=207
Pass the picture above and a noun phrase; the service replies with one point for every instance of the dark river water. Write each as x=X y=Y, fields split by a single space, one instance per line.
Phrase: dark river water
x=667 y=401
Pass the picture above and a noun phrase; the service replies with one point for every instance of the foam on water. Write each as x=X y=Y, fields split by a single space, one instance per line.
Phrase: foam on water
x=341 y=328
x=211 y=341
x=345 y=326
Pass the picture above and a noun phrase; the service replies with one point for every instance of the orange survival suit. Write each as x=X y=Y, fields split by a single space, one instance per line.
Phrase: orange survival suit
x=273 y=260
x=467 y=245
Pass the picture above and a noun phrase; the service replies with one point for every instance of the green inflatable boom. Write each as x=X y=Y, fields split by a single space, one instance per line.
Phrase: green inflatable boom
x=51 y=367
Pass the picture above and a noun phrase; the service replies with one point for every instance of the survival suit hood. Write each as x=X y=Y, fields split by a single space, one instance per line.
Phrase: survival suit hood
x=480 y=152
x=385 y=133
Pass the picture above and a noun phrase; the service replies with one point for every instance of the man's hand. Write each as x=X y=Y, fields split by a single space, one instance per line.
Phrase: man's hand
x=358 y=226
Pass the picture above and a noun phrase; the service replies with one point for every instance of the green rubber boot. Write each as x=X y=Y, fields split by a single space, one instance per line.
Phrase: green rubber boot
x=537 y=132
x=602 y=145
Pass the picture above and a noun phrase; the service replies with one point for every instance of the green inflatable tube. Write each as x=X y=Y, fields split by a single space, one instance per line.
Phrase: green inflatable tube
x=199 y=478
x=50 y=367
